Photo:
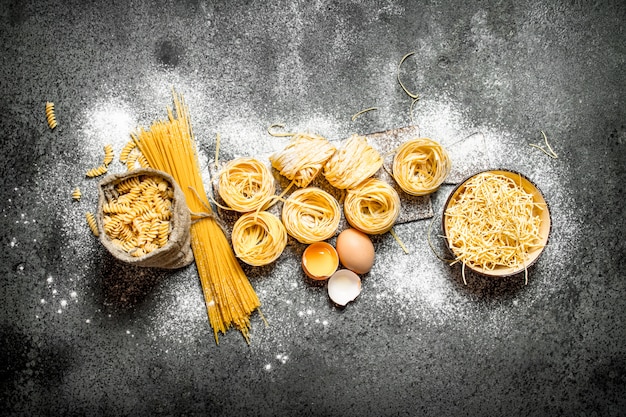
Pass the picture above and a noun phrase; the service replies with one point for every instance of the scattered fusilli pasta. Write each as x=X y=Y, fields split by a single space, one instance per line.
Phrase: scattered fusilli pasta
x=50 y=115
x=76 y=194
x=97 y=171
x=93 y=225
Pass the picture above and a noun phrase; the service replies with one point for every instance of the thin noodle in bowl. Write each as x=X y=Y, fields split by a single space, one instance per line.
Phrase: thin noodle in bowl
x=496 y=223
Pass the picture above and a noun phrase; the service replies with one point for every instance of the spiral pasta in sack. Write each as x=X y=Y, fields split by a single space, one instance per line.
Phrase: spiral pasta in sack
x=145 y=219
x=303 y=158
x=372 y=207
x=311 y=215
x=352 y=164
x=420 y=166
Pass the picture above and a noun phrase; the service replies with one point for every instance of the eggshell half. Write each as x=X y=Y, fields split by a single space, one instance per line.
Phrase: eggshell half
x=344 y=286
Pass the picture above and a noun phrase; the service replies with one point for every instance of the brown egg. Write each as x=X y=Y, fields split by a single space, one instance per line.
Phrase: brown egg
x=355 y=250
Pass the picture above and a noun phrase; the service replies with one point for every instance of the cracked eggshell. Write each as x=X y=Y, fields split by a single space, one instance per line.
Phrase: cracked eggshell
x=344 y=286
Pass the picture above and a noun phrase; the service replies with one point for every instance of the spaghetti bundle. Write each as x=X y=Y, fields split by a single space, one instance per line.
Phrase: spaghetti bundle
x=259 y=238
x=420 y=166
x=311 y=215
x=303 y=158
x=372 y=207
x=230 y=299
x=492 y=222
x=246 y=184
x=352 y=164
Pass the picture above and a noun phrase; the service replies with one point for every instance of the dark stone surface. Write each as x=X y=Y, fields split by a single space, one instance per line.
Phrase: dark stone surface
x=82 y=334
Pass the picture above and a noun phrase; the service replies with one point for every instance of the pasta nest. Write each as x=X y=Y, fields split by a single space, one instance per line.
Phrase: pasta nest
x=420 y=166
x=373 y=207
x=246 y=184
x=352 y=164
x=311 y=215
x=259 y=238
x=303 y=158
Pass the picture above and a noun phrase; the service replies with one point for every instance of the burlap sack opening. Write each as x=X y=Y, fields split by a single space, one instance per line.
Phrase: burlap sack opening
x=176 y=253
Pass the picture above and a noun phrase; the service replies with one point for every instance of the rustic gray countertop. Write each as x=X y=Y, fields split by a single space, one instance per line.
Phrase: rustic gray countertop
x=83 y=334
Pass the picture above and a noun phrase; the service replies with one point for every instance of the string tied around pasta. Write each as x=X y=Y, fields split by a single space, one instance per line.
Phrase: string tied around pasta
x=202 y=215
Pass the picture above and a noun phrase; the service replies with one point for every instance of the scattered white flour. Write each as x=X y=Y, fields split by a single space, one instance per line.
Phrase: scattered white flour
x=413 y=288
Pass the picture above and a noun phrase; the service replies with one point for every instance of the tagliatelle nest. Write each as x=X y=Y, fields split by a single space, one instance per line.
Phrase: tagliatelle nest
x=303 y=158
x=246 y=184
x=372 y=207
x=259 y=238
x=352 y=164
x=311 y=215
x=420 y=166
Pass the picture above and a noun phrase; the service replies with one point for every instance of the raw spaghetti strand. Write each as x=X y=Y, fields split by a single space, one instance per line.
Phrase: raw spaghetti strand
x=547 y=149
x=414 y=96
x=360 y=113
x=271 y=132
x=230 y=299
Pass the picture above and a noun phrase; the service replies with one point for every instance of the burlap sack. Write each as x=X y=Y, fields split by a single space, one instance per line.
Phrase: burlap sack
x=177 y=252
